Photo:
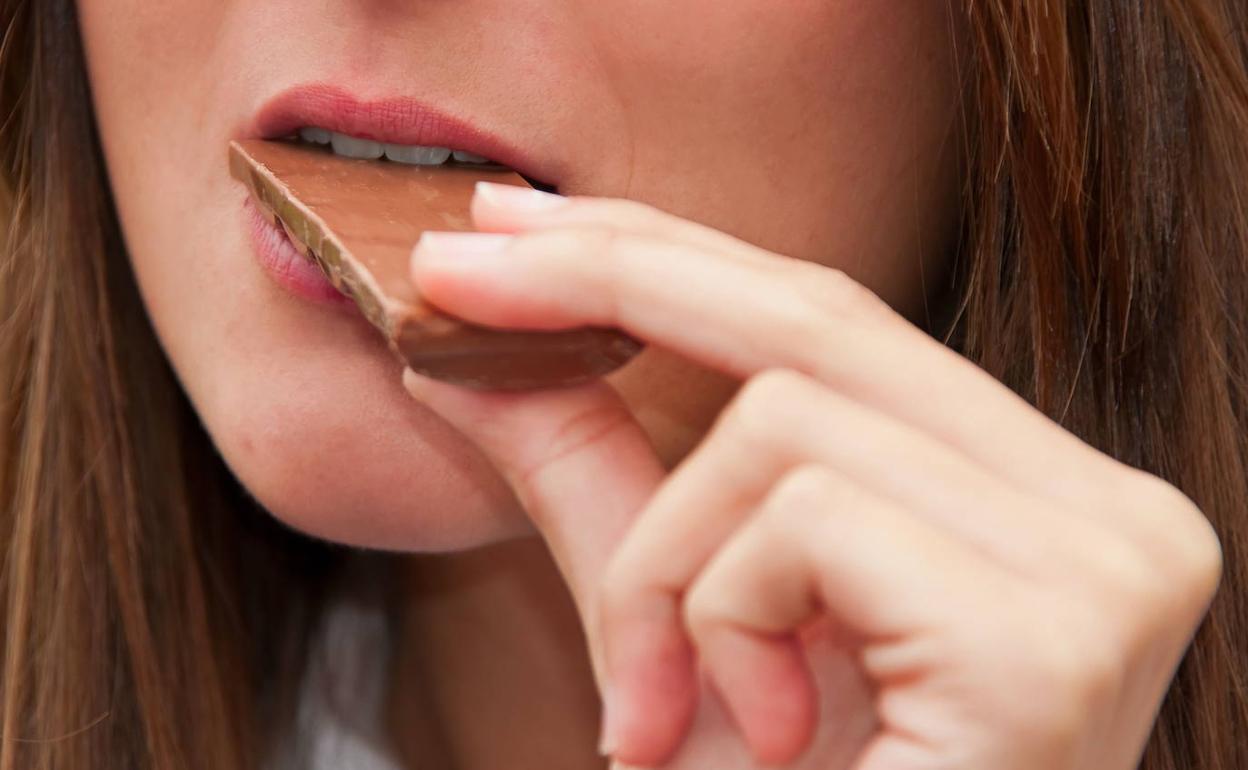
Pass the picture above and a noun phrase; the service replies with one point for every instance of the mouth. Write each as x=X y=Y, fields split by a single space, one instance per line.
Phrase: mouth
x=398 y=130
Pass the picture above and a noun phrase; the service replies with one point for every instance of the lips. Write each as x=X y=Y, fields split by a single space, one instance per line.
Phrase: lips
x=285 y=265
x=397 y=120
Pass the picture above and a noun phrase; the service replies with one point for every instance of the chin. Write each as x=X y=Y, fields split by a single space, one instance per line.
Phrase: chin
x=372 y=469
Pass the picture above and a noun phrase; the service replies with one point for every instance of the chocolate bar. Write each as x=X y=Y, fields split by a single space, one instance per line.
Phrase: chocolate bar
x=359 y=220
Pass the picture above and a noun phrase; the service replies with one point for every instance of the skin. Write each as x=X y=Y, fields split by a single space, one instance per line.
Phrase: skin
x=826 y=134
x=284 y=386
x=840 y=575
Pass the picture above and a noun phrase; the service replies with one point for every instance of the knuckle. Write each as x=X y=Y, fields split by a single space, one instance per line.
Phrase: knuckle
x=1094 y=664
x=803 y=488
x=1205 y=563
x=1083 y=681
x=1184 y=549
x=1131 y=600
x=831 y=290
x=1131 y=581
x=702 y=611
x=755 y=412
x=1196 y=555
x=1072 y=671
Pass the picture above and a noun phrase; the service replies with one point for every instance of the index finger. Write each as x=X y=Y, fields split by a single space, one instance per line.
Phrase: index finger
x=745 y=313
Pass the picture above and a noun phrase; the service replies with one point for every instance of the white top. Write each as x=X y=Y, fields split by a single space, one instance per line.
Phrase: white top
x=339 y=721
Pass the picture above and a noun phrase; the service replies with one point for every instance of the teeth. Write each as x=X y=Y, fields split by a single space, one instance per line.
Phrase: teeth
x=468 y=157
x=351 y=147
x=314 y=135
x=420 y=156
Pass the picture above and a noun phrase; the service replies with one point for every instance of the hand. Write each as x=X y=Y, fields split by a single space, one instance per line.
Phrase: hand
x=871 y=514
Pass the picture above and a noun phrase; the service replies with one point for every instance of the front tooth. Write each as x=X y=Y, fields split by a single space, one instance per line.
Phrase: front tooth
x=420 y=156
x=314 y=135
x=468 y=157
x=350 y=147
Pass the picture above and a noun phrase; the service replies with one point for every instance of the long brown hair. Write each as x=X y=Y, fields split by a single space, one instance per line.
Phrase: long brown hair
x=149 y=611
x=1105 y=274
x=153 y=617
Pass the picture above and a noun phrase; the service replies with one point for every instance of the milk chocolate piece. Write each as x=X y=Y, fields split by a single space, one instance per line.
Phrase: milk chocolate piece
x=359 y=219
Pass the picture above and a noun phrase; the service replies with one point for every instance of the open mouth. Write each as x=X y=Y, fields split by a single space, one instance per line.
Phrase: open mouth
x=347 y=146
x=399 y=130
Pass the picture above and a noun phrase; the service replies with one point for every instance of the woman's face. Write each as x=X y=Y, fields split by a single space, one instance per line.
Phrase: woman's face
x=821 y=129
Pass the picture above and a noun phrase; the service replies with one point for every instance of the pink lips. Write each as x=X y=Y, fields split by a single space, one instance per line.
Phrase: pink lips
x=283 y=262
x=397 y=120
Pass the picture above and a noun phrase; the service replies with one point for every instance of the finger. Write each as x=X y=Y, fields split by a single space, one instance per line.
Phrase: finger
x=751 y=312
x=578 y=461
x=819 y=543
x=769 y=690
x=743 y=608
x=779 y=421
x=508 y=209
x=633 y=281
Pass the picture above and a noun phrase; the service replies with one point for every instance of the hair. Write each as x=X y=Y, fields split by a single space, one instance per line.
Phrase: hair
x=154 y=617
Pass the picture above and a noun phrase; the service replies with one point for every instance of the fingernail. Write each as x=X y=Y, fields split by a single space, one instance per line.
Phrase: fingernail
x=519 y=198
x=607 y=738
x=436 y=248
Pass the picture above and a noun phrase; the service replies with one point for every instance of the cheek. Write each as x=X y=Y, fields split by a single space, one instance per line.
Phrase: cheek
x=825 y=133
x=792 y=136
x=305 y=408
x=151 y=50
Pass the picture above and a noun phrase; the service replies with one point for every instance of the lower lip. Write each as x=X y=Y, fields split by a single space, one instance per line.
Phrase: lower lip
x=284 y=264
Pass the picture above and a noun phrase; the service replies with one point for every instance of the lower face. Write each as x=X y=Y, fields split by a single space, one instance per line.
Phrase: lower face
x=819 y=129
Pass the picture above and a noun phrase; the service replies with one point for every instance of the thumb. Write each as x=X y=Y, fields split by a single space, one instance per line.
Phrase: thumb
x=578 y=460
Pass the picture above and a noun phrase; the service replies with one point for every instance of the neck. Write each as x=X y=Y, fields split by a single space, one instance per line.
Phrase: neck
x=491 y=669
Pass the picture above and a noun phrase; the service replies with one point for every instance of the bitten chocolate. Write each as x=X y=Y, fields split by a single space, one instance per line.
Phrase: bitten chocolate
x=360 y=219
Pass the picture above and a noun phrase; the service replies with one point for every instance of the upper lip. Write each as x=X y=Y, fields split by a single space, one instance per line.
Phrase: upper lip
x=395 y=120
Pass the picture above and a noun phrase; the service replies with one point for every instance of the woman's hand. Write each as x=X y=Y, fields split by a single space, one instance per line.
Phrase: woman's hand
x=880 y=558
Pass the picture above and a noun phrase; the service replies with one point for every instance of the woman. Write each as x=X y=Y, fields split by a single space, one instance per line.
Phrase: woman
x=935 y=456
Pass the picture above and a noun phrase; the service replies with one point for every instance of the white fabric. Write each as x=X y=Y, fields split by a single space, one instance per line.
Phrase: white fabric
x=339 y=723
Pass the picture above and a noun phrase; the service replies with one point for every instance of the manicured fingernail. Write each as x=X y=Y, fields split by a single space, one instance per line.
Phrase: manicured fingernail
x=607 y=738
x=519 y=198
x=438 y=248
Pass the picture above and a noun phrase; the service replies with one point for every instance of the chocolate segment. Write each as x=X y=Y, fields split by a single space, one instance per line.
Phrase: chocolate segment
x=360 y=219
